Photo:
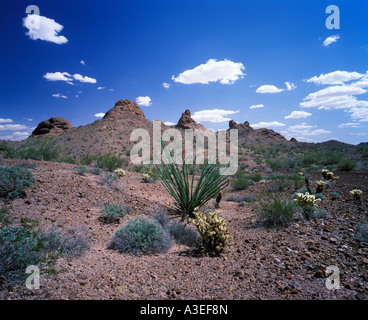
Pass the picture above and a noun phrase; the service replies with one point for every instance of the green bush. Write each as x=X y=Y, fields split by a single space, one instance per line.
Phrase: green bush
x=109 y=162
x=276 y=212
x=346 y=165
x=141 y=235
x=13 y=181
x=362 y=232
x=241 y=182
x=335 y=195
x=5 y=218
x=81 y=170
x=112 y=213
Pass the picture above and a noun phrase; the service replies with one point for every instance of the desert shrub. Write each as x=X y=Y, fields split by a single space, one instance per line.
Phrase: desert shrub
x=141 y=235
x=24 y=246
x=245 y=198
x=256 y=177
x=335 y=195
x=110 y=180
x=319 y=213
x=319 y=196
x=362 y=232
x=112 y=213
x=346 y=165
x=27 y=165
x=241 y=183
x=213 y=230
x=8 y=151
x=96 y=171
x=13 y=181
x=276 y=212
x=5 y=218
x=331 y=158
x=81 y=170
x=109 y=162
x=179 y=182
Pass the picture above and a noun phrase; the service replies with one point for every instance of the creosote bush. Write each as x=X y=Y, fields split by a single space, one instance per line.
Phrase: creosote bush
x=13 y=181
x=213 y=230
x=276 y=212
x=141 y=235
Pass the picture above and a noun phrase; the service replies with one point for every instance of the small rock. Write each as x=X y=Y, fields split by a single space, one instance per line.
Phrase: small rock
x=319 y=274
x=360 y=296
x=277 y=261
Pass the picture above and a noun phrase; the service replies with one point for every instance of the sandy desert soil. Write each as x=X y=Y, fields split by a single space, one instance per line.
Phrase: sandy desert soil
x=287 y=263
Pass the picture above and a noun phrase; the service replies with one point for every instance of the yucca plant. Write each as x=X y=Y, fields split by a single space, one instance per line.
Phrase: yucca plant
x=179 y=181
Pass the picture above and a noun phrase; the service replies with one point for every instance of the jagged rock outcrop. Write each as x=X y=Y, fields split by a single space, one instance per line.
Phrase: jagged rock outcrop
x=52 y=127
x=123 y=107
x=186 y=122
x=234 y=125
x=293 y=140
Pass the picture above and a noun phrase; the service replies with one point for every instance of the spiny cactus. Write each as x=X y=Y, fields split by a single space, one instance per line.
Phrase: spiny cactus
x=324 y=173
x=356 y=193
x=120 y=172
x=214 y=232
x=145 y=177
x=306 y=199
x=321 y=185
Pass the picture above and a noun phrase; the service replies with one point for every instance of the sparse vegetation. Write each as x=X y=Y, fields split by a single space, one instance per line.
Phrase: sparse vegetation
x=14 y=180
x=346 y=165
x=112 y=213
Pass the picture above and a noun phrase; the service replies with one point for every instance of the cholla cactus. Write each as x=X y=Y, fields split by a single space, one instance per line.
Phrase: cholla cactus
x=145 y=177
x=120 y=172
x=321 y=185
x=301 y=174
x=306 y=199
x=214 y=232
x=330 y=176
x=356 y=193
x=324 y=173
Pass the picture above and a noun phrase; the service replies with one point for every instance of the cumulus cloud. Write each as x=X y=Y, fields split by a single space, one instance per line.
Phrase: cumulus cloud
x=143 y=101
x=12 y=127
x=82 y=62
x=6 y=120
x=265 y=124
x=100 y=88
x=84 y=79
x=268 y=88
x=225 y=71
x=306 y=130
x=214 y=115
x=298 y=115
x=67 y=77
x=256 y=106
x=330 y=40
x=43 y=28
x=335 y=77
x=59 y=95
x=359 y=114
x=168 y=123
x=166 y=85
x=99 y=115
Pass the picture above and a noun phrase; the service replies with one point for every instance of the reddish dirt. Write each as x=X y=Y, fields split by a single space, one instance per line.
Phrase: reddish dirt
x=285 y=263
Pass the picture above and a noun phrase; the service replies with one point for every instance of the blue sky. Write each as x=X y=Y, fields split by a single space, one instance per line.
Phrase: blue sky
x=272 y=63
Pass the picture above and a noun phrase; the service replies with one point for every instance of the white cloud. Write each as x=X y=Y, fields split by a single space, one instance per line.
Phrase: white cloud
x=166 y=85
x=168 y=123
x=100 y=88
x=335 y=77
x=6 y=120
x=264 y=124
x=12 y=127
x=298 y=115
x=350 y=125
x=43 y=28
x=111 y=90
x=143 y=101
x=214 y=115
x=99 y=115
x=268 y=88
x=67 y=77
x=82 y=62
x=28 y=119
x=330 y=40
x=360 y=114
x=225 y=71
x=358 y=133
x=290 y=86
x=256 y=106
x=59 y=95
x=306 y=130
x=58 y=76
x=85 y=79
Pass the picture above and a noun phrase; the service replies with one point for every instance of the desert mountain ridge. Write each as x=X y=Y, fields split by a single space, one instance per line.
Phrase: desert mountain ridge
x=111 y=134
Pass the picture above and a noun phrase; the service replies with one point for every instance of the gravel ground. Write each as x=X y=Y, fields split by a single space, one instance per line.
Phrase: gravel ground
x=287 y=263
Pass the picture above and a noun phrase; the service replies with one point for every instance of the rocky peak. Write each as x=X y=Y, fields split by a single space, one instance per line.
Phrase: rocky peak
x=186 y=122
x=234 y=125
x=53 y=127
x=123 y=107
